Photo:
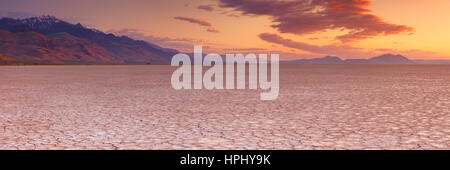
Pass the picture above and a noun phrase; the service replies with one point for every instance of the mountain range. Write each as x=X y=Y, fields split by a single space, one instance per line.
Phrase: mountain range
x=48 y=40
x=383 y=59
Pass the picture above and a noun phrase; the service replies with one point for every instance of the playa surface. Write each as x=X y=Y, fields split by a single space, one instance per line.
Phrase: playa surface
x=135 y=107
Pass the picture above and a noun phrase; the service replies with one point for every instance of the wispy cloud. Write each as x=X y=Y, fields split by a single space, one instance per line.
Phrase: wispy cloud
x=245 y=49
x=199 y=21
x=345 y=51
x=181 y=44
x=342 y=50
x=206 y=7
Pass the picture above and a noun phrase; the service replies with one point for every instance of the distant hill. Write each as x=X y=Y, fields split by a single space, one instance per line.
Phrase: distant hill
x=48 y=40
x=383 y=59
x=390 y=59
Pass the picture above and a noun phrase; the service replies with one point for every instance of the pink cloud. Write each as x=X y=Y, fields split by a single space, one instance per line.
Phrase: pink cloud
x=309 y=16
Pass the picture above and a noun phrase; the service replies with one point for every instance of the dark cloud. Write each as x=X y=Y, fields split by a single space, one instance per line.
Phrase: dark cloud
x=201 y=22
x=309 y=16
x=206 y=7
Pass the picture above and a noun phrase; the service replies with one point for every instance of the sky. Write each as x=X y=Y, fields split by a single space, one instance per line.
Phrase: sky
x=417 y=29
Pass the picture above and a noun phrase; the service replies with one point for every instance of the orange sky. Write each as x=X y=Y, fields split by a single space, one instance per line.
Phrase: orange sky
x=230 y=30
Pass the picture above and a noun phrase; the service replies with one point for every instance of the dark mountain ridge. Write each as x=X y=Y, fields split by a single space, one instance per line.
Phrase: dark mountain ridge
x=383 y=59
x=60 y=42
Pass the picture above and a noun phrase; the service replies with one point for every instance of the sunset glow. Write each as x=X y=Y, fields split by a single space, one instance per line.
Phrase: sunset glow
x=417 y=29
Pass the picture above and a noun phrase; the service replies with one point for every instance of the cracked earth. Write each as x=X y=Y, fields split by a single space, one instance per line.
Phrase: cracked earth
x=135 y=107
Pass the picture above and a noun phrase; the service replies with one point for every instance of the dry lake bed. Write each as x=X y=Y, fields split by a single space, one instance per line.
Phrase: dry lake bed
x=135 y=107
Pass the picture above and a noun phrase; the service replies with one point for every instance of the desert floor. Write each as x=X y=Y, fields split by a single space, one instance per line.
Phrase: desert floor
x=135 y=107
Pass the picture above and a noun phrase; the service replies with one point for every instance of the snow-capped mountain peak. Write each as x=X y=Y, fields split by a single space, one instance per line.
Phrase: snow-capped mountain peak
x=45 y=20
